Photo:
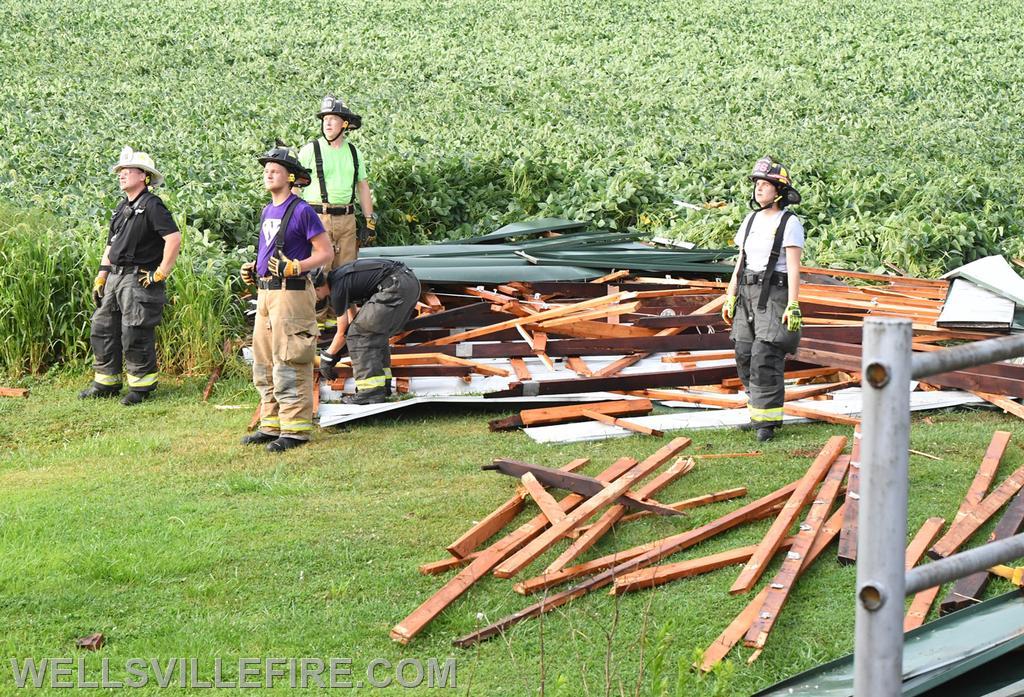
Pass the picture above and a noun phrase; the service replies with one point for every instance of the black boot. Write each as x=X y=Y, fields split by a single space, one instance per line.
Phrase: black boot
x=97 y=391
x=134 y=397
x=765 y=433
x=374 y=396
x=258 y=438
x=284 y=443
x=749 y=426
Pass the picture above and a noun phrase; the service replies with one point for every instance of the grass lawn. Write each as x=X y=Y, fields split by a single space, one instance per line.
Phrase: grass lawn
x=155 y=527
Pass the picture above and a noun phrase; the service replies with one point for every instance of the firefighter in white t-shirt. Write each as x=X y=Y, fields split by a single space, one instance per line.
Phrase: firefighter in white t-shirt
x=762 y=302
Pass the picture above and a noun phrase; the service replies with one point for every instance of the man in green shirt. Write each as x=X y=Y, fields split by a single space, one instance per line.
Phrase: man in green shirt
x=339 y=174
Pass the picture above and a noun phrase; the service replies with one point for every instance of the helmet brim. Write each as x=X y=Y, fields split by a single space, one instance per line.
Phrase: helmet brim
x=156 y=179
x=354 y=120
x=302 y=175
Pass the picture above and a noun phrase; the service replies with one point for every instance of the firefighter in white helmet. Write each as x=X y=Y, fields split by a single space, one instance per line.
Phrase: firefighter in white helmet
x=142 y=247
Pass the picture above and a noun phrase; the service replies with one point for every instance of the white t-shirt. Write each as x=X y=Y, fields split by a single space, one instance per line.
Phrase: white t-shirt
x=762 y=234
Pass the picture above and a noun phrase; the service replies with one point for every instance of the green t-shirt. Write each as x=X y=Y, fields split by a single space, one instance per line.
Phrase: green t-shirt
x=337 y=172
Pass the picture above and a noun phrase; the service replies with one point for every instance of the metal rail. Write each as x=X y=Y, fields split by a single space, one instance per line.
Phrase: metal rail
x=887 y=366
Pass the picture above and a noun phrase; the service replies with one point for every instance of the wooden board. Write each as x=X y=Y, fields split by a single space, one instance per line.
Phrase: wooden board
x=572 y=412
x=766 y=549
x=665 y=548
x=782 y=583
x=510 y=567
x=404 y=631
x=848 y=535
x=729 y=637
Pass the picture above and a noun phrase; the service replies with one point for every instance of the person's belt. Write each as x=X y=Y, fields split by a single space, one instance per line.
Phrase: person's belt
x=754 y=279
x=326 y=209
x=271 y=283
x=115 y=269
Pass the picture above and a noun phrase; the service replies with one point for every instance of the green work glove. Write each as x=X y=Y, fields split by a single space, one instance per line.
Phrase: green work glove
x=248 y=273
x=283 y=267
x=792 y=317
x=729 y=308
x=98 y=288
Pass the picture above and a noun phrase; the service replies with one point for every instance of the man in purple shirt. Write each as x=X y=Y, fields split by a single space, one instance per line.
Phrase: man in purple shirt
x=291 y=244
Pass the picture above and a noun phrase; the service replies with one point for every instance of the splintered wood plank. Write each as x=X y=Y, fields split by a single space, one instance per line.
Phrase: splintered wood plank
x=976 y=517
x=796 y=558
x=573 y=412
x=848 y=535
x=685 y=504
x=818 y=415
x=617 y=366
x=622 y=423
x=578 y=365
x=692 y=398
x=665 y=548
x=805 y=392
x=729 y=637
x=924 y=537
x=499 y=518
x=404 y=631
x=965 y=524
x=788 y=375
x=614 y=513
x=589 y=568
x=1005 y=403
x=969 y=589
x=545 y=501
x=666 y=573
x=922 y=601
x=22 y=392
x=520 y=369
x=510 y=567
x=768 y=546
x=441 y=566
x=613 y=276
x=519 y=321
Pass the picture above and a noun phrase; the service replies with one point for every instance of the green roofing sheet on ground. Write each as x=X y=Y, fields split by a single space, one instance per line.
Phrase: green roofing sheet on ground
x=571 y=256
x=933 y=654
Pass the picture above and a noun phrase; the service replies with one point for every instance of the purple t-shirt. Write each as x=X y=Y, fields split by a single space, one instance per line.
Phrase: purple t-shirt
x=303 y=227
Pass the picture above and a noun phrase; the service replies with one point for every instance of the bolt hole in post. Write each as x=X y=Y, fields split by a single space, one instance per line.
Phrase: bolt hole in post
x=871 y=597
x=877 y=375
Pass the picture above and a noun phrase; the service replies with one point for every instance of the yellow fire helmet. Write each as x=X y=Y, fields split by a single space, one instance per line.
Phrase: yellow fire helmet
x=138 y=160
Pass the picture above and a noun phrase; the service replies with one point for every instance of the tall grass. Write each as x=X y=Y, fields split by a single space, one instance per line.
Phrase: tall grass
x=46 y=273
x=203 y=306
x=45 y=292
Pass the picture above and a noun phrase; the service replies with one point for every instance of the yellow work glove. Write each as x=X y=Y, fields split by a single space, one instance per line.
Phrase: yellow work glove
x=729 y=309
x=148 y=278
x=283 y=267
x=248 y=273
x=98 y=287
x=792 y=317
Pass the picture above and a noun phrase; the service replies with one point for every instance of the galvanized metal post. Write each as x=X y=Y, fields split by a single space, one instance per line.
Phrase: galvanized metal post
x=882 y=518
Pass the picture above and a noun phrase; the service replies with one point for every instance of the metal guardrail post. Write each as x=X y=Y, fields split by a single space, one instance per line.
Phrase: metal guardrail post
x=882 y=518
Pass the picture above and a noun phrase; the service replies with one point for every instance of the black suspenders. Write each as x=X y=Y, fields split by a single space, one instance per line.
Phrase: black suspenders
x=773 y=257
x=319 y=156
x=285 y=220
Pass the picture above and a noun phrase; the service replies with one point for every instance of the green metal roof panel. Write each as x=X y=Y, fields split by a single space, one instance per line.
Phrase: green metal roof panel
x=932 y=654
x=501 y=274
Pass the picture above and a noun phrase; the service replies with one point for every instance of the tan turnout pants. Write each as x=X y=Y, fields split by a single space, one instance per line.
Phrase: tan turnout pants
x=283 y=345
x=342 y=231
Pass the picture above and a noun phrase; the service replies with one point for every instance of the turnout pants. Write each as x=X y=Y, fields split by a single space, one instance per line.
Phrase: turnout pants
x=380 y=318
x=342 y=231
x=762 y=342
x=123 y=329
x=283 y=345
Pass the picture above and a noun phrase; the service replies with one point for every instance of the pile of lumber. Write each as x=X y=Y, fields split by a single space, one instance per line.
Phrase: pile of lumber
x=807 y=516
